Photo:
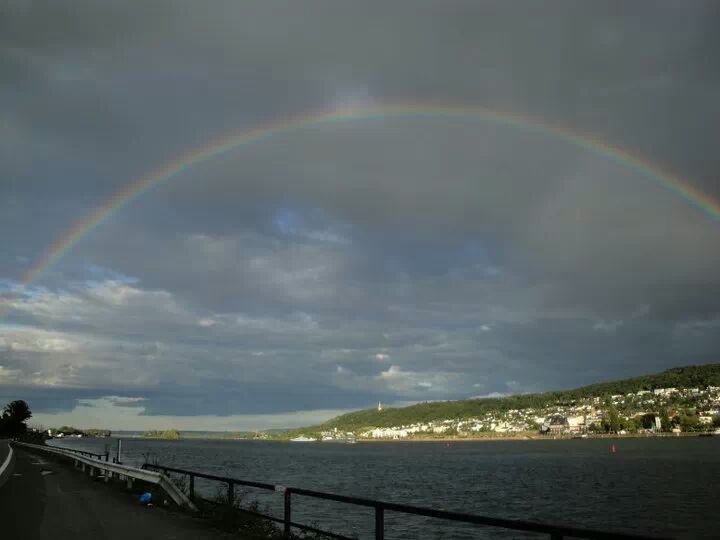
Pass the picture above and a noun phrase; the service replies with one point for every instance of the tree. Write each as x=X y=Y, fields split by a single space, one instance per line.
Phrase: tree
x=14 y=416
x=689 y=422
x=612 y=419
x=632 y=424
x=665 y=423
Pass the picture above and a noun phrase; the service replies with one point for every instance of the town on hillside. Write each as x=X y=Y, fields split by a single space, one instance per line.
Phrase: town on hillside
x=683 y=400
x=670 y=410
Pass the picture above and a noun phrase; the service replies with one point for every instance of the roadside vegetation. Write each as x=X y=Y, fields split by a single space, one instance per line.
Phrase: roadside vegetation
x=13 y=421
x=239 y=516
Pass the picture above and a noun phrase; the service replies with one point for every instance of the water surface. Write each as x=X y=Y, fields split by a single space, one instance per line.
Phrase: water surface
x=651 y=486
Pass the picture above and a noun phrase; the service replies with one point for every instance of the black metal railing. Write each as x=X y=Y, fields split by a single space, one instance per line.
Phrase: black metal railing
x=381 y=507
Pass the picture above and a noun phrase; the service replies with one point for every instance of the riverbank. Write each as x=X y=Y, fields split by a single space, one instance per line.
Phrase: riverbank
x=531 y=436
x=520 y=436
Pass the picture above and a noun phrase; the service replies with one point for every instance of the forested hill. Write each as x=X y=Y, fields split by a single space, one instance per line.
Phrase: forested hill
x=683 y=377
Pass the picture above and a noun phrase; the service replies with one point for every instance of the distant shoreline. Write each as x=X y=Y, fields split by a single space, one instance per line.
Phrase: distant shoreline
x=529 y=436
x=537 y=437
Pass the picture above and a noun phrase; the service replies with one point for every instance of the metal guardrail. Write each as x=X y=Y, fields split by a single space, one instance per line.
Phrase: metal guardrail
x=556 y=532
x=105 y=456
x=124 y=472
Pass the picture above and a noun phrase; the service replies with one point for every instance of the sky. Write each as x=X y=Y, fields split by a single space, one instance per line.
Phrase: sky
x=396 y=258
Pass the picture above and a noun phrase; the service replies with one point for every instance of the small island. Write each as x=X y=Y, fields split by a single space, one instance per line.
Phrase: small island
x=167 y=434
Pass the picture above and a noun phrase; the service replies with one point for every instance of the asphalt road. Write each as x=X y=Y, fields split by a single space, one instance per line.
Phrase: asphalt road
x=4 y=450
x=47 y=499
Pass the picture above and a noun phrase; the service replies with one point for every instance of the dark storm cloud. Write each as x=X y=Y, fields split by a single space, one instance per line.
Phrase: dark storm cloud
x=392 y=259
x=50 y=400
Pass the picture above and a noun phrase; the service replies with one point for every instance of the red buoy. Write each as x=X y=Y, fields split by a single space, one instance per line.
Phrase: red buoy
x=613 y=449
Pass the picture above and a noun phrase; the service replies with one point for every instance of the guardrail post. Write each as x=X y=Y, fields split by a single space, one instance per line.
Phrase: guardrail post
x=379 y=523
x=231 y=493
x=191 y=487
x=288 y=513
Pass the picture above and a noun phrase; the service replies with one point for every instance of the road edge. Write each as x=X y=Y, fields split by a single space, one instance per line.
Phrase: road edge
x=6 y=467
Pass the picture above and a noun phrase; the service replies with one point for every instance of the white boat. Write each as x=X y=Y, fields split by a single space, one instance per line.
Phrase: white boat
x=342 y=440
x=302 y=438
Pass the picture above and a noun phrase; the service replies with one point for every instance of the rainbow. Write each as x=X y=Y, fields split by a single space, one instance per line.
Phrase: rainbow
x=65 y=243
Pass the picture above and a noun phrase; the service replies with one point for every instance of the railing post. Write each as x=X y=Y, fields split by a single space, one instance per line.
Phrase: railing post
x=379 y=522
x=192 y=487
x=231 y=493
x=288 y=513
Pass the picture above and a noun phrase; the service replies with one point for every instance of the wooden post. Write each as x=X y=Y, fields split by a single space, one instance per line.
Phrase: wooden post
x=379 y=523
x=119 y=449
x=288 y=513
x=192 y=487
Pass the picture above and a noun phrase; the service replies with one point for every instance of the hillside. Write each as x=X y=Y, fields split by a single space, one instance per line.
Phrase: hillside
x=682 y=377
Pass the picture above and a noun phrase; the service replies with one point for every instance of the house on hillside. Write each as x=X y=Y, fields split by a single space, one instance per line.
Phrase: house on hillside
x=576 y=423
x=555 y=425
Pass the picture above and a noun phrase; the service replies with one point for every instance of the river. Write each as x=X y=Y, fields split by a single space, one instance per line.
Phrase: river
x=657 y=486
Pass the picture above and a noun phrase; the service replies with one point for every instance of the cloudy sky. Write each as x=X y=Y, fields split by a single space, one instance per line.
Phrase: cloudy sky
x=394 y=258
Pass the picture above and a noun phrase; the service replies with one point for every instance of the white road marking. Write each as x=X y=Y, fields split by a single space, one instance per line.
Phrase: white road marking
x=7 y=460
